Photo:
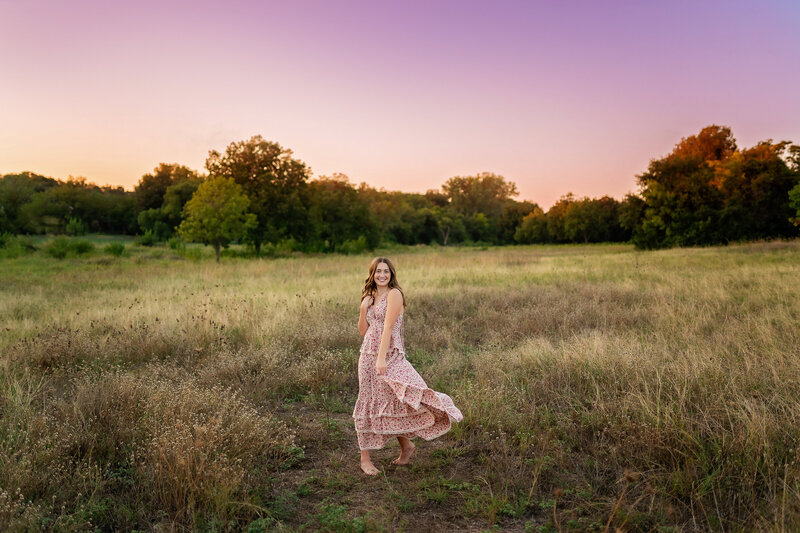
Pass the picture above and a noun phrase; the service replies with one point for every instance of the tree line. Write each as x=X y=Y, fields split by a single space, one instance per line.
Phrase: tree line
x=706 y=191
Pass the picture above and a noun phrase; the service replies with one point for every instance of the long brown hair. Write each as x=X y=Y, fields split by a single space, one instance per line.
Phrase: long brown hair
x=370 y=287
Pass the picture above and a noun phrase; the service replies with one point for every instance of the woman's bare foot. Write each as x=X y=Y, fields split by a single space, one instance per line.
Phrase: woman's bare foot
x=369 y=468
x=405 y=453
x=366 y=464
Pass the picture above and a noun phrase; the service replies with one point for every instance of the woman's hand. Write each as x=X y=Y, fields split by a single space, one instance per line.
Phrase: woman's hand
x=380 y=366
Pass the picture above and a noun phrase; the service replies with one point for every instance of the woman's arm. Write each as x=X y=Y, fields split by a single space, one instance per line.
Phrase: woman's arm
x=394 y=304
x=362 y=315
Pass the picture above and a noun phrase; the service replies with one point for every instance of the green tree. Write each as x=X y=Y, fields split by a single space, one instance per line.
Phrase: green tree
x=339 y=214
x=592 y=220
x=630 y=214
x=405 y=218
x=511 y=217
x=708 y=191
x=275 y=182
x=556 y=218
x=683 y=199
x=151 y=188
x=175 y=198
x=217 y=214
x=16 y=190
x=153 y=221
x=480 y=228
x=485 y=193
x=755 y=183
x=533 y=228
x=160 y=197
x=450 y=223
x=436 y=198
x=794 y=202
x=101 y=209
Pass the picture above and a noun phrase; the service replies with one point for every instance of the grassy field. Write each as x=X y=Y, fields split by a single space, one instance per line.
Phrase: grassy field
x=601 y=387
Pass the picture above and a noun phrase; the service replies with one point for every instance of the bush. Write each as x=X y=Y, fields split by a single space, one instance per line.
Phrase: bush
x=193 y=254
x=237 y=252
x=287 y=246
x=176 y=244
x=58 y=247
x=148 y=239
x=283 y=247
x=81 y=246
x=75 y=226
x=61 y=247
x=116 y=249
x=357 y=246
x=14 y=246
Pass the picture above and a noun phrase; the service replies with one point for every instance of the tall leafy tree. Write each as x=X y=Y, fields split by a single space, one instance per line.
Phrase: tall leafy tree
x=161 y=197
x=405 y=218
x=592 y=220
x=479 y=200
x=484 y=193
x=275 y=182
x=217 y=214
x=755 y=183
x=683 y=199
x=556 y=218
x=16 y=190
x=629 y=215
x=511 y=217
x=450 y=223
x=533 y=228
x=152 y=187
x=708 y=191
x=98 y=209
x=794 y=203
x=175 y=198
x=339 y=214
x=793 y=161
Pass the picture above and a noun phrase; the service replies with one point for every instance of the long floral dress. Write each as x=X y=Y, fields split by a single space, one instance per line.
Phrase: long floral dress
x=397 y=403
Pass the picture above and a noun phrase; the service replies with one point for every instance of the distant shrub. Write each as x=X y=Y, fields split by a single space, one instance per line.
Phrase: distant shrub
x=75 y=226
x=58 y=248
x=267 y=249
x=81 y=246
x=149 y=238
x=61 y=247
x=287 y=245
x=356 y=246
x=14 y=246
x=271 y=249
x=236 y=252
x=116 y=249
x=194 y=254
x=315 y=247
x=175 y=243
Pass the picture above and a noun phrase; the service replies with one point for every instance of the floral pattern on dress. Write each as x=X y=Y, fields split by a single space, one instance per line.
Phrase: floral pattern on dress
x=397 y=403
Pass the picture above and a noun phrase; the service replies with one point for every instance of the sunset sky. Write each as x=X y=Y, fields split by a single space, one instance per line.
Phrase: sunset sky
x=557 y=96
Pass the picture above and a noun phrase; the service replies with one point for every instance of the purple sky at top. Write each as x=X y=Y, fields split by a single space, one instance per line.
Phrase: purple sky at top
x=557 y=96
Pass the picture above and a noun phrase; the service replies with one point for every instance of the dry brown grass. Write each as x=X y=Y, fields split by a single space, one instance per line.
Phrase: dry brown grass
x=148 y=394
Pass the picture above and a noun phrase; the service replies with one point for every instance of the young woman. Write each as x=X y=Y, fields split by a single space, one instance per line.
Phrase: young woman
x=393 y=400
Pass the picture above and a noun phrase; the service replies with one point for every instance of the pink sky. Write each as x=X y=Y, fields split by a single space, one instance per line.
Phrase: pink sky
x=556 y=96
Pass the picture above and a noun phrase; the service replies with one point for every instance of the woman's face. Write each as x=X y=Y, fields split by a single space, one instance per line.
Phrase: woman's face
x=382 y=275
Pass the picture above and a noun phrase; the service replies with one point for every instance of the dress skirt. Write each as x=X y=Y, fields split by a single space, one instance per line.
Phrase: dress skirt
x=398 y=403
